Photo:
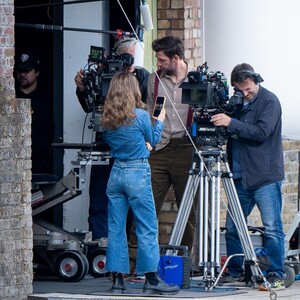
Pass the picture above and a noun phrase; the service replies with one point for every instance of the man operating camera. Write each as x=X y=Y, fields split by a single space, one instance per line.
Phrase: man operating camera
x=256 y=158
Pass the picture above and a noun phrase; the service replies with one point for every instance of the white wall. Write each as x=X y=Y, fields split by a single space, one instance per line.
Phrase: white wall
x=93 y=15
x=265 y=34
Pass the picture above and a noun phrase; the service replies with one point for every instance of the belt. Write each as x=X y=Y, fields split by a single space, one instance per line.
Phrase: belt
x=143 y=160
x=183 y=140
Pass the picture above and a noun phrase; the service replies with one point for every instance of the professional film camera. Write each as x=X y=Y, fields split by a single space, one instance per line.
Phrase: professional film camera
x=207 y=93
x=99 y=71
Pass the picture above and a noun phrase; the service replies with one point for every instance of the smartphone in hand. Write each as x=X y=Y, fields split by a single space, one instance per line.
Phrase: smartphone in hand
x=159 y=105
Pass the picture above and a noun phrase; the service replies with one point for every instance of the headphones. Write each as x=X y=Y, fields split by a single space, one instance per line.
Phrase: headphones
x=256 y=76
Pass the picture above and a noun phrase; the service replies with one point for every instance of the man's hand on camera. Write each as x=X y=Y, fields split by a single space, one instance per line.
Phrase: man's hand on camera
x=220 y=120
x=79 y=80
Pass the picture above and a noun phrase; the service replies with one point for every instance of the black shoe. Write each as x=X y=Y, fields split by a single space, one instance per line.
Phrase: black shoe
x=118 y=286
x=226 y=278
x=155 y=285
x=196 y=272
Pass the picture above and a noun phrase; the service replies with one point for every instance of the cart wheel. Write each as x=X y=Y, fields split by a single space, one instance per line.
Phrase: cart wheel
x=295 y=266
x=71 y=266
x=97 y=263
x=290 y=275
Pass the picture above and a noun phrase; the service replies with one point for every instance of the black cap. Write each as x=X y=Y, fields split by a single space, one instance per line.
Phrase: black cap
x=26 y=61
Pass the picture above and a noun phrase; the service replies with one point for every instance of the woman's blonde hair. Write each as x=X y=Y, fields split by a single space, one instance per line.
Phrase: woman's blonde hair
x=123 y=96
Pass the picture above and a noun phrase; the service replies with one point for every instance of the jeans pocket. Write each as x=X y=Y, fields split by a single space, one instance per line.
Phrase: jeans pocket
x=136 y=178
x=113 y=180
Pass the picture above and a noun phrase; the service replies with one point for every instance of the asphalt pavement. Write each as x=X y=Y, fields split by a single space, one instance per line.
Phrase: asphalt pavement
x=99 y=288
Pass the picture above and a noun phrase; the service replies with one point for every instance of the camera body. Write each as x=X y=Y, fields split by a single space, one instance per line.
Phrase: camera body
x=207 y=93
x=97 y=76
x=98 y=73
x=205 y=89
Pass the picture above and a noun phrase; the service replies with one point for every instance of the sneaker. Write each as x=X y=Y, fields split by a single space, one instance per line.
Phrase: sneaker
x=155 y=285
x=226 y=278
x=273 y=282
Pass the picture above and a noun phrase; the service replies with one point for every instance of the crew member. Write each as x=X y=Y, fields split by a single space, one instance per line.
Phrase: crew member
x=256 y=157
x=27 y=71
x=171 y=159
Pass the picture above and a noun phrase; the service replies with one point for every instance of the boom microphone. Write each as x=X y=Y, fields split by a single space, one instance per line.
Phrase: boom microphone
x=145 y=11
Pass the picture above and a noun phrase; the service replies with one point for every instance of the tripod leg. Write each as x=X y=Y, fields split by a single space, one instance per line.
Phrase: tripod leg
x=209 y=224
x=237 y=216
x=215 y=219
x=185 y=207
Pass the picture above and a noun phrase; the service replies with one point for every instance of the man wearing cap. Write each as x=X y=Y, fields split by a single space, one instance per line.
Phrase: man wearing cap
x=27 y=71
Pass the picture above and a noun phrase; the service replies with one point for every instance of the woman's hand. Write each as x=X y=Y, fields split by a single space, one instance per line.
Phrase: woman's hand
x=162 y=115
x=149 y=147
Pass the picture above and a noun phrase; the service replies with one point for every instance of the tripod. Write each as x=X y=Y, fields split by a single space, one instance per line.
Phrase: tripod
x=205 y=179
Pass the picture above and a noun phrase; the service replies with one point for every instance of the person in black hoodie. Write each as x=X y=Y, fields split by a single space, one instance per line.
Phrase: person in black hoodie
x=28 y=86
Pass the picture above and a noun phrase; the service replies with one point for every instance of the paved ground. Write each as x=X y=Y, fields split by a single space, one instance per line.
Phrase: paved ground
x=98 y=288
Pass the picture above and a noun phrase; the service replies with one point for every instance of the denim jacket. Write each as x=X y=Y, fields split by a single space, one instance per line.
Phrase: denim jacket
x=258 y=131
x=128 y=141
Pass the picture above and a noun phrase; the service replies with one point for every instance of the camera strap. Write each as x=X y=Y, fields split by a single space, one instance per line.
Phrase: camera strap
x=156 y=82
x=190 y=113
x=189 y=118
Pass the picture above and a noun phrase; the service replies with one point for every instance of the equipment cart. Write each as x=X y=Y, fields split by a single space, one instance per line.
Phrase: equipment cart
x=69 y=255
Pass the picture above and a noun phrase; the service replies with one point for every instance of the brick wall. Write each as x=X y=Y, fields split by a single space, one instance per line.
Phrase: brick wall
x=15 y=176
x=289 y=190
x=181 y=18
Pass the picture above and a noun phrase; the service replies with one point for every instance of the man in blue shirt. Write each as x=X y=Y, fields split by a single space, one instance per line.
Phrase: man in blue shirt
x=256 y=157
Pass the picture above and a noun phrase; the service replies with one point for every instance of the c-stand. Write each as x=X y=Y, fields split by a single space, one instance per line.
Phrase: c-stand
x=204 y=180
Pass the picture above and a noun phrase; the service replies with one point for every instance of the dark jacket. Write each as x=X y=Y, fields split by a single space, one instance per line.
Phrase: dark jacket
x=42 y=128
x=142 y=77
x=258 y=131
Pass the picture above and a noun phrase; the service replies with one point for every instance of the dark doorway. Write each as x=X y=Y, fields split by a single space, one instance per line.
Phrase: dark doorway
x=29 y=13
x=118 y=19
x=47 y=44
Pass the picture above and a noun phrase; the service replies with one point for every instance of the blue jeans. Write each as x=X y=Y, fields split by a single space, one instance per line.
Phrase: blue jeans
x=129 y=185
x=269 y=202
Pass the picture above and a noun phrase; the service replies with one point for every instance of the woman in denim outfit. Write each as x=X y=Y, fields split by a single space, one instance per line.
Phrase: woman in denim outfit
x=130 y=136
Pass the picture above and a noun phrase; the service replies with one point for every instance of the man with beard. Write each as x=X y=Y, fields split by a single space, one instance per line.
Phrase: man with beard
x=171 y=159
x=27 y=71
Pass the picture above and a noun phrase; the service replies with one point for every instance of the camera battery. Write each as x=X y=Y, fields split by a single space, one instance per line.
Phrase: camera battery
x=174 y=268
